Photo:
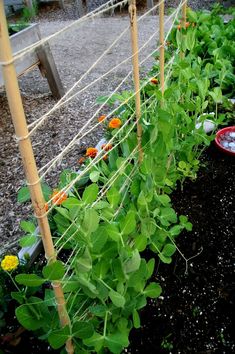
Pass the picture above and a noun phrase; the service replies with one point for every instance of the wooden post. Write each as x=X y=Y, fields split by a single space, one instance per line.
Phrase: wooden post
x=150 y=5
x=184 y=14
x=81 y=6
x=49 y=70
x=162 y=44
x=25 y=146
x=135 y=61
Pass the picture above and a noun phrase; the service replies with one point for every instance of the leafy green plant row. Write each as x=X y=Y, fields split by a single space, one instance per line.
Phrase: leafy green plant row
x=102 y=238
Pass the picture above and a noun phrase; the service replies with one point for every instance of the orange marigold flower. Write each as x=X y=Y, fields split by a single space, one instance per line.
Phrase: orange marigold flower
x=115 y=123
x=81 y=160
x=46 y=206
x=106 y=147
x=101 y=118
x=179 y=27
x=187 y=24
x=105 y=157
x=91 y=152
x=154 y=81
x=58 y=197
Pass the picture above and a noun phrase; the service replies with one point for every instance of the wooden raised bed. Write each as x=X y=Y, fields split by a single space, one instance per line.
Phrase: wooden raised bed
x=41 y=57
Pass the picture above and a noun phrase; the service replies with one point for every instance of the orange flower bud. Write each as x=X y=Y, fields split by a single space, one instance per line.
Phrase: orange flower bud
x=91 y=152
x=101 y=118
x=106 y=147
x=179 y=27
x=58 y=197
x=154 y=81
x=105 y=157
x=187 y=24
x=81 y=160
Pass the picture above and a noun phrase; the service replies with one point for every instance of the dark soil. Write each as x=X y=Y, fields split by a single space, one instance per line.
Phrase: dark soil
x=195 y=313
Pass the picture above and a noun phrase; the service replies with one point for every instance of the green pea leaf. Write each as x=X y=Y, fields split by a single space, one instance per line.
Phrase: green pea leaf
x=59 y=337
x=90 y=194
x=98 y=310
x=71 y=202
x=165 y=259
x=117 y=299
x=46 y=190
x=168 y=214
x=136 y=319
x=18 y=296
x=94 y=176
x=29 y=279
x=153 y=290
x=82 y=329
x=54 y=271
x=34 y=314
x=96 y=341
x=28 y=226
x=84 y=262
x=150 y=267
x=90 y=221
x=141 y=242
x=113 y=232
x=168 y=250
x=99 y=239
x=116 y=342
x=113 y=196
x=28 y=240
x=164 y=199
x=128 y=225
x=133 y=264
x=23 y=195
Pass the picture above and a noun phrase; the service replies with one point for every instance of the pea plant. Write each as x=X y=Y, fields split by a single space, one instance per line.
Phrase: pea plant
x=119 y=208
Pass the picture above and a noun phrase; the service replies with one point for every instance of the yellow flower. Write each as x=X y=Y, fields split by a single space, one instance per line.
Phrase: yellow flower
x=9 y=263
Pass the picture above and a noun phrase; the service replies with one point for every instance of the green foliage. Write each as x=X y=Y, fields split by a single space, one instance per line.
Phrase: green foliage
x=108 y=221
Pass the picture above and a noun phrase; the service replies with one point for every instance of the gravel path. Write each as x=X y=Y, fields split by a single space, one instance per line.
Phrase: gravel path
x=52 y=12
x=74 y=53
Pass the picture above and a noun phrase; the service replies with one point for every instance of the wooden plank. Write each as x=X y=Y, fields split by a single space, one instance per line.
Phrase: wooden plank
x=13 y=2
x=49 y=70
x=19 y=41
x=150 y=5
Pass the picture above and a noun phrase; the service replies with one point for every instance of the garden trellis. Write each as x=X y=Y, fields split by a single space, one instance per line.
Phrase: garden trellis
x=72 y=322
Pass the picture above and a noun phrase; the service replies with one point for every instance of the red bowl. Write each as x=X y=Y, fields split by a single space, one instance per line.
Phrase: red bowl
x=218 y=139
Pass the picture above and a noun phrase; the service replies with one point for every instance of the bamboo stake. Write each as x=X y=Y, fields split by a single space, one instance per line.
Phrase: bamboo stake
x=162 y=43
x=135 y=62
x=183 y=22
x=32 y=177
x=184 y=14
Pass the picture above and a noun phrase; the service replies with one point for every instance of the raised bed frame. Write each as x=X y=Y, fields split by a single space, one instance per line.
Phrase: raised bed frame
x=41 y=57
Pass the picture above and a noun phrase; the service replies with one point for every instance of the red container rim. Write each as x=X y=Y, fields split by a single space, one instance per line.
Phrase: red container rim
x=218 y=138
